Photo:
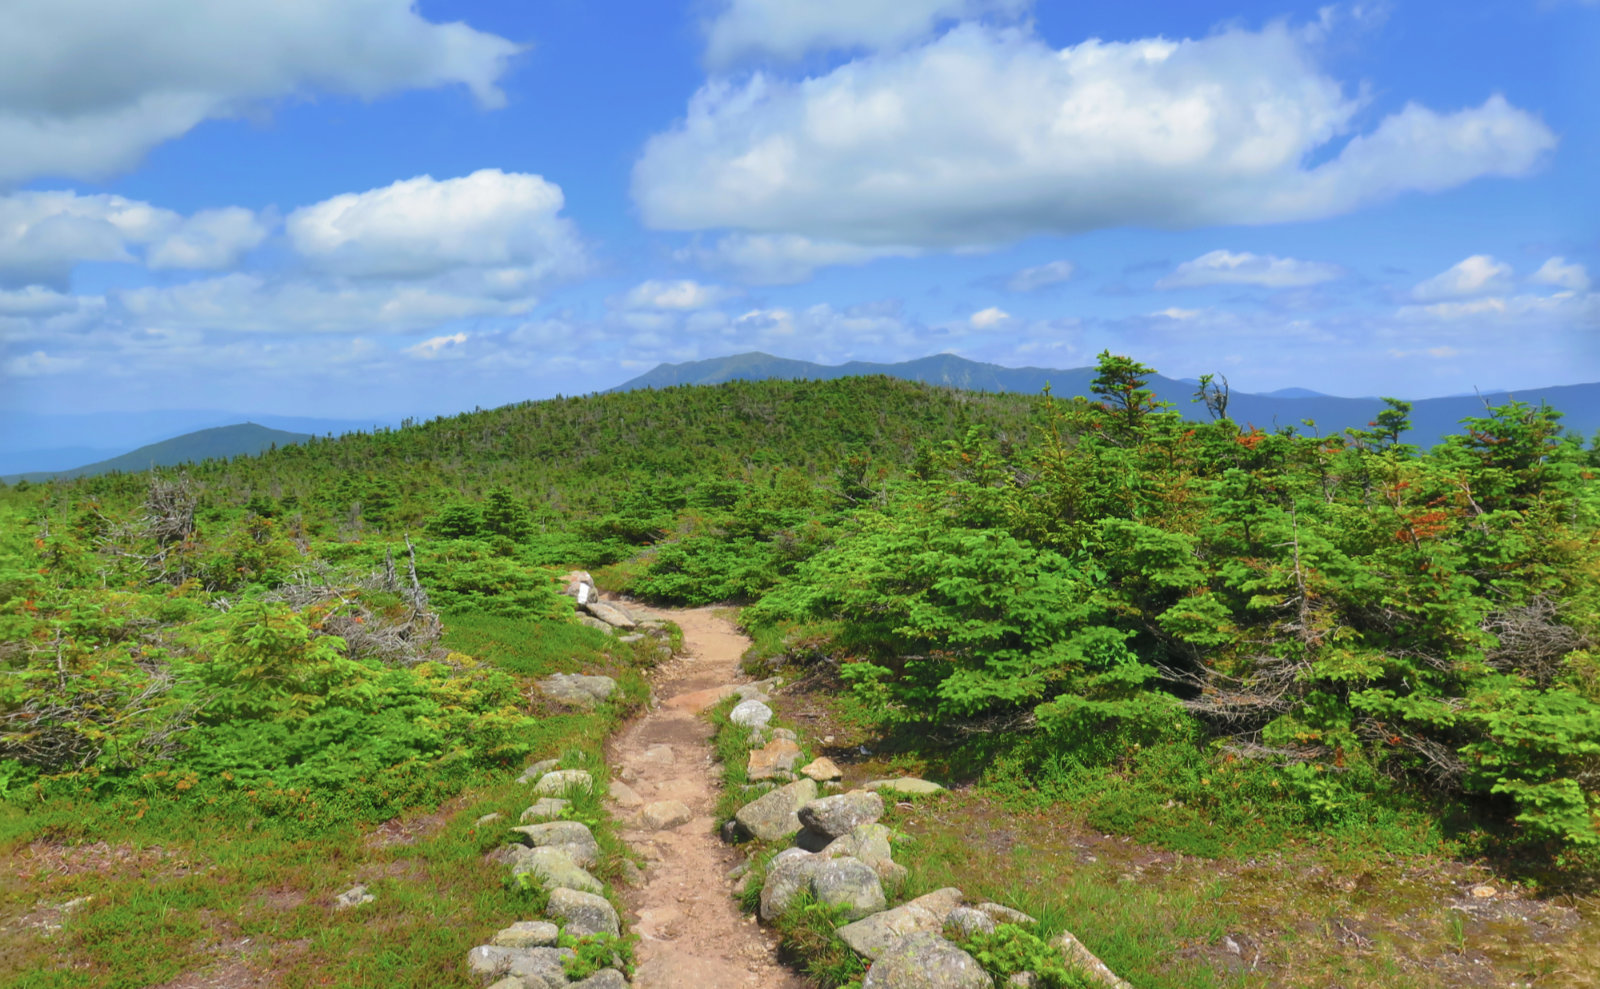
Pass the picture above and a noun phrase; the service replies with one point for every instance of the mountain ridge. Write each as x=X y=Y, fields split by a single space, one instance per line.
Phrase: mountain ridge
x=219 y=442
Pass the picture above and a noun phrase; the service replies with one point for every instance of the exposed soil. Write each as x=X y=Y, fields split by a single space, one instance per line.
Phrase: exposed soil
x=691 y=933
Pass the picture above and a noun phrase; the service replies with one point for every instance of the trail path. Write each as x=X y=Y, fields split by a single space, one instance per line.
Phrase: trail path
x=691 y=933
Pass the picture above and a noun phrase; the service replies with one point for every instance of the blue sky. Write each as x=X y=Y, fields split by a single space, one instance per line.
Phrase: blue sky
x=383 y=208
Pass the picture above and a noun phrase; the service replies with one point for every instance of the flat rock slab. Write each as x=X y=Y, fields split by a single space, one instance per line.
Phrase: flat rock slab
x=873 y=936
x=610 y=614
x=558 y=782
x=527 y=934
x=777 y=756
x=576 y=689
x=925 y=960
x=775 y=815
x=553 y=867
x=583 y=913
x=664 y=815
x=572 y=837
x=907 y=786
x=697 y=701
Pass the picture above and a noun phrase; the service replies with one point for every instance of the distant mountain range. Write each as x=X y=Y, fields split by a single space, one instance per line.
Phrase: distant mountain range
x=1432 y=419
x=206 y=444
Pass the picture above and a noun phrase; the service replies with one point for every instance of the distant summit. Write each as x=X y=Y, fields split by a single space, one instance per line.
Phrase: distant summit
x=207 y=444
x=1432 y=419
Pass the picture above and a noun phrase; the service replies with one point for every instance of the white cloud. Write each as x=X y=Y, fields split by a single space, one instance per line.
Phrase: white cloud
x=789 y=29
x=988 y=319
x=1479 y=274
x=1041 y=276
x=1556 y=271
x=1228 y=268
x=435 y=347
x=424 y=227
x=1513 y=313
x=681 y=294
x=88 y=86
x=38 y=364
x=985 y=136
x=785 y=259
x=209 y=239
x=1180 y=315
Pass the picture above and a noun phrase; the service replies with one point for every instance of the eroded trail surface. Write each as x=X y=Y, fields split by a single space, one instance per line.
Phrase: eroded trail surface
x=691 y=933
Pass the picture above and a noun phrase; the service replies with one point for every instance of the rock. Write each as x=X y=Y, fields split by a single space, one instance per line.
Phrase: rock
x=873 y=936
x=579 y=585
x=534 y=967
x=850 y=883
x=785 y=733
x=777 y=756
x=610 y=614
x=1005 y=915
x=822 y=770
x=788 y=875
x=750 y=714
x=755 y=691
x=576 y=689
x=606 y=978
x=868 y=843
x=355 y=896
x=554 y=868
x=538 y=769
x=664 y=815
x=573 y=837
x=583 y=913
x=488 y=819
x=545 y=809
x=837 y=816
x=630 y=638
x=624 y=796
x=1022 y=980
x=594 y=623
x=660 y=756
x=557 y=783
x=509 y=982
x=758 y=737
x=775 y=816
x=737 y=872
x=925 y=960
x=631 y=874
x=970 y=921
x=1078 y=957
x=699 y=700
x=527 y=934
x=908 y=786
x=507 y=854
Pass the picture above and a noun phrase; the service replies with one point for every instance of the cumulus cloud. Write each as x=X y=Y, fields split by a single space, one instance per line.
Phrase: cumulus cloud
x=681 y=294
x=1041 y=276
x=788 y=30
x=1479 y=274
x=88 y=86
x=1556 y=271
x=422 y=227
x=1243 y=268
x=785 y=259
x=38 y=364
x=988 y=319
x=209 y=239
x=1009 y=137
x=435 y=347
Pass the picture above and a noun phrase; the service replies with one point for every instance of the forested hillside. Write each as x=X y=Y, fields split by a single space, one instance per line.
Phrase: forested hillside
x=1253 y=627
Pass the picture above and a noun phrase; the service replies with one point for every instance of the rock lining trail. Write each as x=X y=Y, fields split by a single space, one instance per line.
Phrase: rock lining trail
x=691 y=933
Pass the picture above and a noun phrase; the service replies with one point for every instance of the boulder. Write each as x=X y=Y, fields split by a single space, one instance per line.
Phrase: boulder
x=537 y=770
x=1082 y=959
x=624 y=796
x=545 y=809
x=557 y=783
x=823 y=770
x=849 y=883
x=579 y=585
x=774 y=815
x=908 y=786
x=610 y=614
x=606 y=978
x=573 y=837
x=970 y=921
x=553 y=867
x=750 y=714
x=535 y=967
x=868 y=843
x=527 y=934
x=664 y=815
x=488 y=819
x=583 y=913
x=788 y=875
x=591 y=621
x=873 y=936
x=777 y=756
x=577 y=690
x=925 y=960
x=838 y=815
x=1005 y=915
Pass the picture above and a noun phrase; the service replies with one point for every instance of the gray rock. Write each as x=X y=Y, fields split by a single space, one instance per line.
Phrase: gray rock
x=775 y=816
x=873 y=936
x=850 y=883
x=1078 y=957
x=575 y=580
x=558 y=782
x=355 y=896
x=837 y=816
x=537 y=770
x=527 y=934
x=539 y=968
x=553 y=867
x=1005 y=915
x=545 y=809
x=624 y=795
x=908 y=786
x=925 y=960
x=488 y=819
x=594 y=623
x=606 y=978
x=787 y=733
x=788 y=875
x=610 y=614
x=757 y=738
x=630 y=638
x=631 y=874
x=750 y=714
x=970 y=921
x=577 y=690
x=1022 y=980
x=664 y=814
x=572 y=837
x=583 y=913
x=870 y=844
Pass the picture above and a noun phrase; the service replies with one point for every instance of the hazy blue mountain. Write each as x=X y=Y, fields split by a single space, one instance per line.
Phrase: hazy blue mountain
x=1432 y=418
x=223 y=441
x=59 y=441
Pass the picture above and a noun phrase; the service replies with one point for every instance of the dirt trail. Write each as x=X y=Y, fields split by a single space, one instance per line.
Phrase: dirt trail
x=691 y=933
